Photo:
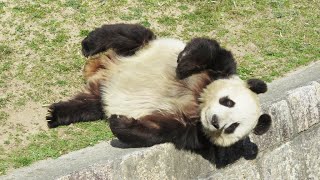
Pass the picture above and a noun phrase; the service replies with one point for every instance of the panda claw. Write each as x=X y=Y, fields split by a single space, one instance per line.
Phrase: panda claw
x=45 y=105
x=49 y=116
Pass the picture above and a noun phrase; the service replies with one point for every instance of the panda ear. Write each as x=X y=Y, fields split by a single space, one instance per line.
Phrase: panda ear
x=258 y=86
x=263 y=125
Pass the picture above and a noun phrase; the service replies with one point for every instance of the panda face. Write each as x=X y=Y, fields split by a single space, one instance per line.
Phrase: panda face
x=229 y=110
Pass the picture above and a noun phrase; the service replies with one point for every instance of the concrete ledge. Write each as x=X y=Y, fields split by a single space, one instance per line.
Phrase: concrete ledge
x=279 y=87
x=290 y=150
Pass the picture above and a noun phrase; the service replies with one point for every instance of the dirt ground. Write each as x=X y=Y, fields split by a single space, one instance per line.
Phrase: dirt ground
x=21 y=124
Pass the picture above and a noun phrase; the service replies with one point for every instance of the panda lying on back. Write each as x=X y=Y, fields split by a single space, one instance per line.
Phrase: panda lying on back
x=156 y=90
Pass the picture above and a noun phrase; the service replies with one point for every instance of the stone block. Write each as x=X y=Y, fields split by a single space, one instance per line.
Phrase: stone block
x=296 y=159
x=235 y=172
x=97 y=172
x=317 y=87
x=163 y=162
x=281 y=164
x=158 y=162
x=281 y=116
x=303 y=103
x=307 y=149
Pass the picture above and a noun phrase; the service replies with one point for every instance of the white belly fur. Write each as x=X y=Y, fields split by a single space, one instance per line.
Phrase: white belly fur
x=145 y=83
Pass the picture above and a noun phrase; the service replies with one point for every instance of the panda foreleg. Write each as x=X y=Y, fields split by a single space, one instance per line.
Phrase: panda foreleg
x=124 y=39
x=83 y=107
x=147 y=131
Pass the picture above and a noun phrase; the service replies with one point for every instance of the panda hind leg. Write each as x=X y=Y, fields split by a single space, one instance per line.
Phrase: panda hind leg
x=124 y=39
x=146 y=131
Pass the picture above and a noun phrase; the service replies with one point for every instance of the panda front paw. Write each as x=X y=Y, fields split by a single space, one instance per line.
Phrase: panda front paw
x=59 y=114
x=52 y=116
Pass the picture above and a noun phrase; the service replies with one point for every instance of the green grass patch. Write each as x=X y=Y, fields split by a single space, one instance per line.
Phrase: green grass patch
x=60 y=38
x=73 y=3
x=57 y=142
x=145 y=23
x=33 y=10
x=132 y=14
x=3 y=118
x=167 y=20
x=84 y=32
x=4 y=100
x=183 y=7
x=5 y=50
x=5 y=66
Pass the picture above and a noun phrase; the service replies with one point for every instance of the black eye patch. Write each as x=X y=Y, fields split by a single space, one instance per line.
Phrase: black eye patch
x=225 y=101
x=231 y=128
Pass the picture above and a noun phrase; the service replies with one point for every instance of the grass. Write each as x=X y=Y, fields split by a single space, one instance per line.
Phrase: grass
x=54 y=143
x=3 y=118
x=40 y=58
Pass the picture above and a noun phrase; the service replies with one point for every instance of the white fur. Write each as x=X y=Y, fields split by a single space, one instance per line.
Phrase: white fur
x=246 y=111
x=146 y=82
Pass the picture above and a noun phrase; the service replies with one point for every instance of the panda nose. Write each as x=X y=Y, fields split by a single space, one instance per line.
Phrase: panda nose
x=214 y=121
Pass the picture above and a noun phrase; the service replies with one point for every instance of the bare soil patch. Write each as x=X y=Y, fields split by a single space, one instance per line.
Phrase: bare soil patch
x=22 y=123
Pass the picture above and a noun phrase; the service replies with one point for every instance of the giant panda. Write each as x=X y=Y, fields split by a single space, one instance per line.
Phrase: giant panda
x=154 y=90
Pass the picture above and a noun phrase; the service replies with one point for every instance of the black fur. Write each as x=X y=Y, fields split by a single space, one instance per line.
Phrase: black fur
x=231 y=128
x=222 y=156
x=83 y=107
x=137 y=133
x=264 y=124
x=157 y=129
x=258 y=86
x=226 y=101
x=124 y=39
x=205 y=54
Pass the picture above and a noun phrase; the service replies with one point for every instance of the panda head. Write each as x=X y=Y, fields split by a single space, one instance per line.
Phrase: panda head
x=230 y=110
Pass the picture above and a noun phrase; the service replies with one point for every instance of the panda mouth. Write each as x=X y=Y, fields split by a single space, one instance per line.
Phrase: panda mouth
x=216 y=133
